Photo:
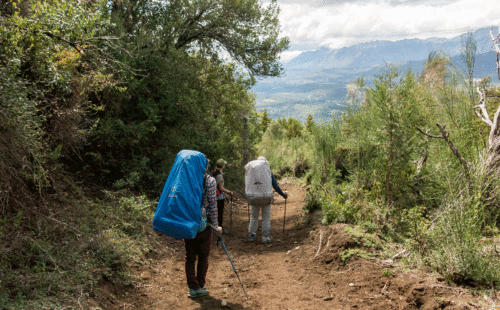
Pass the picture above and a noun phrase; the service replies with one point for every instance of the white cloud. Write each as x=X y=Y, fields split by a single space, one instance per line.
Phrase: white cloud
x=339 y=23
x=289 y=55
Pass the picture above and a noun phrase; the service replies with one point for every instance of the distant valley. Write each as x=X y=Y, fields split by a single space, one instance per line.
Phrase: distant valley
x=315 y=81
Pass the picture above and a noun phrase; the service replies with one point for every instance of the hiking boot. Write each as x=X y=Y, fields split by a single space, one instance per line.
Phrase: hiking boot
x=197 y=293
x=266 y=239
x=252 y=237
x=203 y=291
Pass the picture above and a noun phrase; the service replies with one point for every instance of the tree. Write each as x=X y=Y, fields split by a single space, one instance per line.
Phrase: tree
x=51 y=60
x=391 y=104
x=294 y=128
x=469 y=47
x=493 y=153
x=265 y=120
x=246 y=29
x=184 y=93
x=310 y=122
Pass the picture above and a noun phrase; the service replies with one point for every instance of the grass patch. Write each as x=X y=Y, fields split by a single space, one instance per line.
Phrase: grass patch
x=386 y=272
x=362 y=237
x=347 y=254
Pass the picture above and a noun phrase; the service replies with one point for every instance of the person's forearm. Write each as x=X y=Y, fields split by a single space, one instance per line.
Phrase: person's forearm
x=225 y=190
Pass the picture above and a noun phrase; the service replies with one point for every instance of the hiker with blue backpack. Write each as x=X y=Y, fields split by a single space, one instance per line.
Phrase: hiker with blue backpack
x=259 y=185
x=186 y=210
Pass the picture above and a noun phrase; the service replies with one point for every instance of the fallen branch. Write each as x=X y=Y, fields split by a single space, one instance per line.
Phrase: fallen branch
x=65 y=224
x=399 y=254
x=51 y=258
x=319 y=246
x=385 y=287
x=327 y=244
x=390 y=260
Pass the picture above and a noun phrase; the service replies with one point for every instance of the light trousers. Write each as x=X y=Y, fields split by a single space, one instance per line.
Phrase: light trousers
x=266 y=220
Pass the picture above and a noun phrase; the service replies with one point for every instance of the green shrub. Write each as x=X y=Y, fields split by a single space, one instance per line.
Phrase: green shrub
x=47 y=263
x=386 y=272
x=362 y=237
x=341 y=207
x=456 y=244
x=313 y=201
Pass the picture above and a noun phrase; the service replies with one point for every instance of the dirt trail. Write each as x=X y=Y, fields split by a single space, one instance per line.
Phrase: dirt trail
x=286 y=274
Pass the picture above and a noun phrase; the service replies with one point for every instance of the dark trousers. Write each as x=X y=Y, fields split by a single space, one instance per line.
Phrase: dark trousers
x=198 y=247
x=220 y=211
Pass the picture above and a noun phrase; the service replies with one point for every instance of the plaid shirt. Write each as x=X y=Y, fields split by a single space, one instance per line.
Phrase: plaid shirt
x=209 y=202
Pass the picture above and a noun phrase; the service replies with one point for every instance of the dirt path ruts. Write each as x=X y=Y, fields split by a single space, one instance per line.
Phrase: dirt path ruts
x=286 y=274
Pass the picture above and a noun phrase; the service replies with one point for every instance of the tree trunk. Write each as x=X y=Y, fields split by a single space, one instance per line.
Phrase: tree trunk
x=246 y=150
x=389 y=169
x=493 y=154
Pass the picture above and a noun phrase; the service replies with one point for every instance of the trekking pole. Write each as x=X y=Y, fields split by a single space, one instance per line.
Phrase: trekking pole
x=284 y=217
x=231 y=217
x=213 y=227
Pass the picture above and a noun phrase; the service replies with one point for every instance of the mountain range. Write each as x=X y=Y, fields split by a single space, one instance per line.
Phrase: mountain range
x=315 y=81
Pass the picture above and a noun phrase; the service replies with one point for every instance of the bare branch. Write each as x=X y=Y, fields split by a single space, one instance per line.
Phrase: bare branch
x=495 y=129
x=455 y=151
x=51 y=35
x=495 y=40
x=496 y=44
x=445 y=135
x=104 y=38
x=429 y=135
x=482 y=105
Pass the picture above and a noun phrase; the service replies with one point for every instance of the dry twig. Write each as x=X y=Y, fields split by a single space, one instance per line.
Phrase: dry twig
x=319 y=246
x=384 y=289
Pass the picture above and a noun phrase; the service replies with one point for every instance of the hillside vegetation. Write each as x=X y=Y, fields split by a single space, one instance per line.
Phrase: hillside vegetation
x=412 y=159
x=97 y=98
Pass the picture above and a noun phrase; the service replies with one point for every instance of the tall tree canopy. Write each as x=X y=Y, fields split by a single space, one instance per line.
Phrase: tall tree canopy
x=245 y=30
x=193 y=63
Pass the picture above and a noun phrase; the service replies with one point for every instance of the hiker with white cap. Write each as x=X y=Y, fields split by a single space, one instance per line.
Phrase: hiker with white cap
x=221 y=190
x=259 y=185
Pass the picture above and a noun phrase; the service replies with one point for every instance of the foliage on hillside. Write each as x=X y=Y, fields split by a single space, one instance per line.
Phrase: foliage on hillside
x=407 y=157
x=101 y=95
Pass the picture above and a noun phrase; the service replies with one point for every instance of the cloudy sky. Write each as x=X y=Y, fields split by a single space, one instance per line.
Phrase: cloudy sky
x=311 y=24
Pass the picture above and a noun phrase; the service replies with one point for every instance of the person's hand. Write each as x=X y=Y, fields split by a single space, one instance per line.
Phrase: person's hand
x=286 y=195
x=219 y=230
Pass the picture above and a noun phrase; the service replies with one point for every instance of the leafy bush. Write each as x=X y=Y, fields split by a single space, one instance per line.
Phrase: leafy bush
x=346 y=205
x=365 y=238
x=286 y=155
x=457 y=244
x=313 y=202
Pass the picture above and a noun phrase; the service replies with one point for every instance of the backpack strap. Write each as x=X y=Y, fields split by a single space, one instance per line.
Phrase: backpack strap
x=205 y=176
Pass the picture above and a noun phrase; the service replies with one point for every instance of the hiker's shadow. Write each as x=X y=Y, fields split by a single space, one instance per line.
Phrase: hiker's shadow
x=211 y=303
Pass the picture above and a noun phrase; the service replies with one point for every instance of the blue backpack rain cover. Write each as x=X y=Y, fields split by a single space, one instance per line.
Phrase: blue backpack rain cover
x=178 y=213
